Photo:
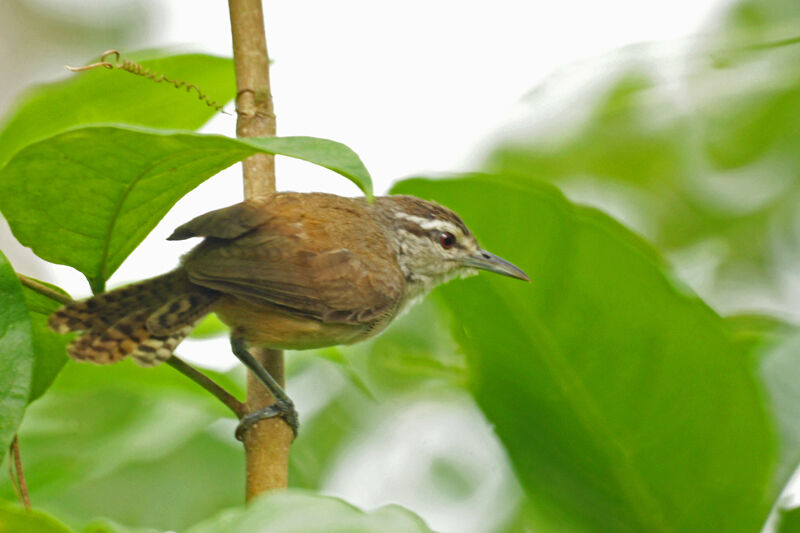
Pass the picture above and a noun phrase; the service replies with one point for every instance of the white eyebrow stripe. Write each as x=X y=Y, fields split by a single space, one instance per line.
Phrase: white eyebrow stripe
x=430 y=224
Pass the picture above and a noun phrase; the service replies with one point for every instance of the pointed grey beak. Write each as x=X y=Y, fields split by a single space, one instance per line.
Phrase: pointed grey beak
x=488 y=261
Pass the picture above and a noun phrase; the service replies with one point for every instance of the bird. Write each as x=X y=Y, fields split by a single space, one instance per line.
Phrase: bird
x=285 y=271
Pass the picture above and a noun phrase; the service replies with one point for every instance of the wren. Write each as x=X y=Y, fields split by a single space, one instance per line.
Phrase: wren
x=288 y=271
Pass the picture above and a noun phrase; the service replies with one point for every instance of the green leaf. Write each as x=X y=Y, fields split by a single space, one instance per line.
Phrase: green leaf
x=621 y=398
x=15 y=519
x=335 y=356
x=103 y=95
x=301 y=512
x=789 y=521
x=49 y=347
x=103 y=525
x=16 y=354
x=112 y=441
x=329 y=154
x=87 y=197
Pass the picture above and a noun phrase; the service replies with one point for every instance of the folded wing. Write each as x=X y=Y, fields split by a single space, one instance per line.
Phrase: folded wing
x=299 y=261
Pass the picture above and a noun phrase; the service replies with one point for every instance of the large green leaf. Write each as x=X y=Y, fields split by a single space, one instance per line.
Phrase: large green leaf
x=103 y=95
x=16 y=354
x=87 y=197
x=302 y=512
x=621 y=398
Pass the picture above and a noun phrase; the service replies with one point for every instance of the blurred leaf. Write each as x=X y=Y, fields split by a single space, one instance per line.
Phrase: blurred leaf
x=335 y=356
x=416 y=351
x=131 y=444
x=450 y=479
x=772 y=346
x=15 y=519
x=302 y=512
x=87 y=197
x=103 y=95
x=103 y=525
x=621 y=399
x=753 y=331
x=16 y=354
x=691 y=156
x=333 y=412
x=211 y=326
x=415 y=355
x=779 y=364
x=171 y=491
x=49 y=347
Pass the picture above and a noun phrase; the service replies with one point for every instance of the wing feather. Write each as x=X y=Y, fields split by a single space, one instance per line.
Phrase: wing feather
x=300 y=262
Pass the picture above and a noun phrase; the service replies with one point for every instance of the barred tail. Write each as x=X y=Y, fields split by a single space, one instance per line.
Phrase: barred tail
x=145 y=320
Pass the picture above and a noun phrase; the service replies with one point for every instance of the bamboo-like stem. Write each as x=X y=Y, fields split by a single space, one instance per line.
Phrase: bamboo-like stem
x=237 y=407
x=266 y=443
x=256 y=117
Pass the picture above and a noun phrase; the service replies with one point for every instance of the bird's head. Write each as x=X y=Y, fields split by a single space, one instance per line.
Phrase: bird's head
x=434 y=245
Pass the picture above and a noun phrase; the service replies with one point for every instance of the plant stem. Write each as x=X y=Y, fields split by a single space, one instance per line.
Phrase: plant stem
x=267 y=442
x=44 y=290
x=174 y=361
x=253 y=97
x=209 y=384
x=18 y=480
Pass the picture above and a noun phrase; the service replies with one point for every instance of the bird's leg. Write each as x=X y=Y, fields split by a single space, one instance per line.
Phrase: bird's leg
x=283 y=406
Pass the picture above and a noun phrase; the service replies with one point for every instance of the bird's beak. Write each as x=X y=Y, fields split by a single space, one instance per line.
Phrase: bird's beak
x=488 y=261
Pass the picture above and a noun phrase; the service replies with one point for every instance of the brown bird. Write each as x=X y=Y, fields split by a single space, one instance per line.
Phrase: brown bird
x=289 y=271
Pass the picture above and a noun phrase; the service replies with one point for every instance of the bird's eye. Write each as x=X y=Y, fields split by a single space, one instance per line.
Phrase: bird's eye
x=447 y=240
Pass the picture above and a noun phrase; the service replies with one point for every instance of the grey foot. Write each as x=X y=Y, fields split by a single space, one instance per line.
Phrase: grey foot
x=283 y=409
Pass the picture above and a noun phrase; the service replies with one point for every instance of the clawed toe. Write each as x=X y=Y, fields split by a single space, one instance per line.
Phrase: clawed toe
x=284 y=410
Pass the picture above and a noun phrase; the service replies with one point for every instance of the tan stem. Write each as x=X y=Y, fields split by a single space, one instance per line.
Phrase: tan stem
x=44 y=290
x=266 y=443
x=230 y=401
x=18 y=474
x=256 y=117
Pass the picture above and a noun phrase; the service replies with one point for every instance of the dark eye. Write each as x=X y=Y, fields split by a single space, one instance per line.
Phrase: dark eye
x=447 y=240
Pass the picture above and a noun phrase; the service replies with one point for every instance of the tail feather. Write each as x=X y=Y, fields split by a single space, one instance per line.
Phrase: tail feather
x=145 y=320
x=179 y=311
x=156 y=350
